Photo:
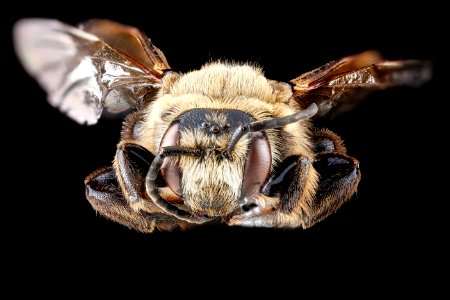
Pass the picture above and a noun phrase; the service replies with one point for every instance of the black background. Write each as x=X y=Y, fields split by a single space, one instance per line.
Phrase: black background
x=389 y=225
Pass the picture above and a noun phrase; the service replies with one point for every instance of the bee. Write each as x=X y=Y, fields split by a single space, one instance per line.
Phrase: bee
x=219 y=144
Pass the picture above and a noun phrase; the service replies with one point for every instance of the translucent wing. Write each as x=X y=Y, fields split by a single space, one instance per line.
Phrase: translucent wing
x=348 y=80
x=101 y=64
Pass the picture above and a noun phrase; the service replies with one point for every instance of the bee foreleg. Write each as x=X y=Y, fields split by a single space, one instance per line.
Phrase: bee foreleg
x=308 y=191
x=106 y=197
x=293 y=184
x=132 y=164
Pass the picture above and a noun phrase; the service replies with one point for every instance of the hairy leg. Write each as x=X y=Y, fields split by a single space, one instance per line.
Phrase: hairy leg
x=106 y=197
x=301 y=202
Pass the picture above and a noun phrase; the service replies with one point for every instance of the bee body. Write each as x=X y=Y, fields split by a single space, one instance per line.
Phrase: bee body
x=222 y=143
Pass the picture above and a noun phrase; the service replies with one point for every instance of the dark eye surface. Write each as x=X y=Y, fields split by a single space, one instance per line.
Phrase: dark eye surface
x=257 y=166
x=170 y=169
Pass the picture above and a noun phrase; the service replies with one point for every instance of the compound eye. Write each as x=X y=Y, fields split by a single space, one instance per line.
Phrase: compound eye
x=257 y=166
x=170 y=170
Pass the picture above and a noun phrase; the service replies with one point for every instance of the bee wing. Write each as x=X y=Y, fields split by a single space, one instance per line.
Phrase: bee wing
x=348 y=80
x=101 y=64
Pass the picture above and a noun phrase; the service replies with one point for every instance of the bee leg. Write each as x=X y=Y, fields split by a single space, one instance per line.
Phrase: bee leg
x=326 y=141
x=106 y=197
x=132 y=164
x=338 y=178
x=132 y=126
x=294 y=184
x=290 y=182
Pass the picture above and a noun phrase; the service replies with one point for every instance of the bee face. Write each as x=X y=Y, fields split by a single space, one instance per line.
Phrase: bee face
x=200 y=112
x=224 y=189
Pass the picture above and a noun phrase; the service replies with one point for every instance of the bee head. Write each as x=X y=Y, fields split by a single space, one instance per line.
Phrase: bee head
x=216 y=182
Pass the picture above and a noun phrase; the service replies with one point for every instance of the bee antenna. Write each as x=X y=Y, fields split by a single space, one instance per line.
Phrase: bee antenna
x=152 y=190
x=272 y=123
